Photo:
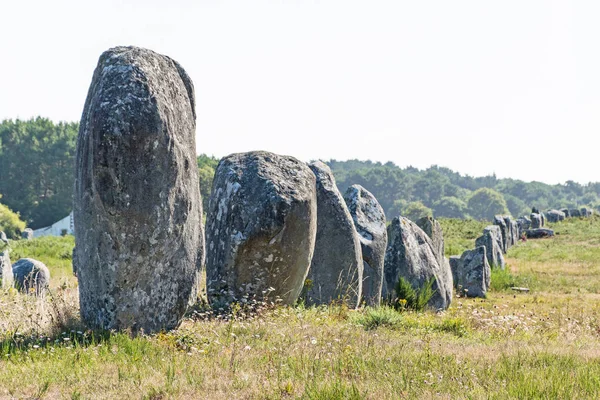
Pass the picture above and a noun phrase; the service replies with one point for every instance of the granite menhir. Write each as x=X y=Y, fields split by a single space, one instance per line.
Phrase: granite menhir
x=137 y=205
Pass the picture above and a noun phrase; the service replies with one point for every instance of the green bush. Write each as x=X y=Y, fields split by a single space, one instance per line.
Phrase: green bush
x=409 y=298
x=10 y=222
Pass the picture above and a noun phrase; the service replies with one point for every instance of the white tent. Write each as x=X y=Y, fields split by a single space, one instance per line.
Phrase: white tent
x=65 y=225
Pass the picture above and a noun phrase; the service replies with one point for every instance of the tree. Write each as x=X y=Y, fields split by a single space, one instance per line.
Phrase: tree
x=516 y=206
x=36 y=168
x=416 y=210
x=450 y=207
x=484 y=203
x=10 y=223
x=206 y=173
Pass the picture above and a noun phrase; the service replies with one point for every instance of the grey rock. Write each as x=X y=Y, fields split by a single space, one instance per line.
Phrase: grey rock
x=336 y=270
x=3 y=237
x=31 y=276
x=499 y=221
x=535 y=210
x=6 y=273
x=536 y=221
x=433 y=229
x=27 y=234
x=575 y=212
x=585 y=212
x=369 y=222
x=512 y=231
x=492 y=241
x=454 y=263
x=261 y=228
x=555 y=216
x=539 y=233
x=410 y=254
x=474 y=273
x=566 y=211
x=543 y=217
x=524 y=223
x=137 y=205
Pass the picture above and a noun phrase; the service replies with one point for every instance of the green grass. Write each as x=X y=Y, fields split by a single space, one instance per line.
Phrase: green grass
x=460 y=235
x=543 y=344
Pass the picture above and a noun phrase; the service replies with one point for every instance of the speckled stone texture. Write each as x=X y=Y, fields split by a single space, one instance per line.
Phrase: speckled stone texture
x=260 y=229
x=411 y=254
x=433 y=229
x=499 y=221
x=474 y=273
x=492 y=241
x=369 y=222
x=6 y=273
x=536 y=221
x=31 y=276
x=137 y=205
x=336 y=270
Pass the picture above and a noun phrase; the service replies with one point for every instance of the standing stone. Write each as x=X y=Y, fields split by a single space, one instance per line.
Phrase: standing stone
x=492 y=241
x=336 y=270
x=536 y=221
x=524 y=223
x=575 y=212
x=433 y=229
x=543 y=217
x=410 y=254
x=31 y=276
x=6 y=273
x=499 y=221
x=137 y=205
x=3 y=237
x=27 y=234
x=535 y=210
x=512 y=231
x=474 y=273
x=454 y=262
x=566 y=212
x=369 y=222
x=261 y=228
x=555 y=216
x=585 y=212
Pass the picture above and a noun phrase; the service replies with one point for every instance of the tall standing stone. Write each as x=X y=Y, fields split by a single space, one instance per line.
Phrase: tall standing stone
x=261 y=228
x=536 y=221
x=6 y=273
x=499 y=220
x=336 y=270
x=369 y=221
x=492 y=241
x=411 y=255
x=474 y=273
x=433 y=229
x=137 y=205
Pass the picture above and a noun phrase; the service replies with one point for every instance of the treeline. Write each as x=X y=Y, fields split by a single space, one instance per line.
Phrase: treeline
x=36 y=180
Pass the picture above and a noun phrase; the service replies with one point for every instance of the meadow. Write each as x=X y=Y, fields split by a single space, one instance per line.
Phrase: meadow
x=541 y=344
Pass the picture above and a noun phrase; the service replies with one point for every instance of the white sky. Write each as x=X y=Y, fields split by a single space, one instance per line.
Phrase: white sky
x=511 y=87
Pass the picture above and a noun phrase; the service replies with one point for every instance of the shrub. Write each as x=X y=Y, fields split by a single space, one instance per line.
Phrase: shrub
x=10 y=222
x=410 y=298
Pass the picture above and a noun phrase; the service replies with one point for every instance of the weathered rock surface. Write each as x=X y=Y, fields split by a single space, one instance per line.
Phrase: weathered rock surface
x=3 y=237
x=27 y=234
x=369 y=221
x=535 y=210
x=433 y=229
x=585 y=212
x=524 y=223
x=512 y=231
x=137 y=205
x=543 y=217
x=499 y=221
x=539 y=233
x=575 y=212
x=454 y=263
x=411 y=255
x=555 y=216
x=536 y=221
x=492 y=241
x=261 y=228
x=566 y=211
x=6 y=273
x=336 y=270
x=474 y=273
x=31 y=276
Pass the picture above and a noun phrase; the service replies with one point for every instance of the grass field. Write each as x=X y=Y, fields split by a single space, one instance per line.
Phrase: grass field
x=542 y=344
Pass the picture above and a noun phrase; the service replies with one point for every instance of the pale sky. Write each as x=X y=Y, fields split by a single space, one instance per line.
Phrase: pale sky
x=505 y=87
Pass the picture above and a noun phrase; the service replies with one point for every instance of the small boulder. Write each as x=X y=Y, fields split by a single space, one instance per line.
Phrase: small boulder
x=410 y=254
x=369 y=222
x=27 y=234
x=474 y=273
x=6 y=272
x=539 y=233
x=31 y=276
x=536 y=221
x=336 y=270
x=260 y=229
x=492 y=241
